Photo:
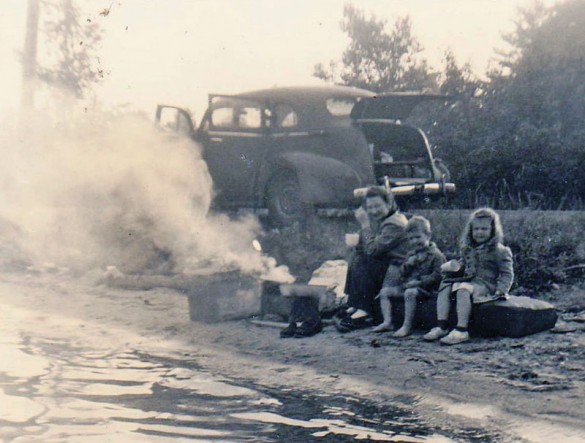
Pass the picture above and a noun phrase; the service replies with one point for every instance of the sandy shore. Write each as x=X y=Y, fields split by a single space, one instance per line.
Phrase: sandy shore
x=532 y=387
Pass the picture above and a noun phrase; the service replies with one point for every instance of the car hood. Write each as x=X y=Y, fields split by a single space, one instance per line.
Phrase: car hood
x=391 y=106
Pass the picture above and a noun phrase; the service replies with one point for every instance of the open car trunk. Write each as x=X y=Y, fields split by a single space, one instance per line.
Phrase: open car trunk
x=402 y=159
x=400 y=153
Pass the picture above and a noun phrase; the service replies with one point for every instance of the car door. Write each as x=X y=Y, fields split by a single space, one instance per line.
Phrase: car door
x=289 y=135
x=233 y=134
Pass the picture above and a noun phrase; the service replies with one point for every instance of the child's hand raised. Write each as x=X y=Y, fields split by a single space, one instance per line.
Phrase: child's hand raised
x=362 y=217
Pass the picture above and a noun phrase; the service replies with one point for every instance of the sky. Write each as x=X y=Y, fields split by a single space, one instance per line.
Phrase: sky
x=178 y=51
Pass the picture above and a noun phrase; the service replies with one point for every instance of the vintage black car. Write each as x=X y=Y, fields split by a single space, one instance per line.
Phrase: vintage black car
x=289 y=149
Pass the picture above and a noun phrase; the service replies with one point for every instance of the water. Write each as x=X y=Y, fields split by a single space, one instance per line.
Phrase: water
x=55 y=389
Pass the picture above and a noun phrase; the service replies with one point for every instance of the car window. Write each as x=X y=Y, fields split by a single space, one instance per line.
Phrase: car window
x=183 y=124
x=340 y=106
x=285 y=116
x=223 y=118
x=232 y=113
x=250 y=118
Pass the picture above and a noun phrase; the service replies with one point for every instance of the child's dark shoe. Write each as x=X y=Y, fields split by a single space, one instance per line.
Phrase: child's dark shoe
x=349 y=324
x=289 y=331
x=362 y=322
x=308 y=329
x=343 y=325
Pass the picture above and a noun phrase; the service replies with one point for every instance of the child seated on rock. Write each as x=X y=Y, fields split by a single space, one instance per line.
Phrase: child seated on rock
x=484 y=272
x=419 y=276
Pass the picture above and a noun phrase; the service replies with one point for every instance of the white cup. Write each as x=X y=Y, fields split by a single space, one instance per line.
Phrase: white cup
x=352 y=239
x=451 y=266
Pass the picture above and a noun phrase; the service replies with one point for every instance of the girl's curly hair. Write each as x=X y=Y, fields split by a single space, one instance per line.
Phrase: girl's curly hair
x=482 y=213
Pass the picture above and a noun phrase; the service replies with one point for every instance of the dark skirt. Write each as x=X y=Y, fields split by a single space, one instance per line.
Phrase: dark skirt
x=365 y=275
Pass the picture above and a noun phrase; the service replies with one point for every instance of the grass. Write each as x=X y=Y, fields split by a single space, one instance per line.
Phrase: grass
x=544 y=243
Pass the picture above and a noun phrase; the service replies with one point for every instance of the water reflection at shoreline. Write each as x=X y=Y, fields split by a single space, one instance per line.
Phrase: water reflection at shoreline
x=56 y=390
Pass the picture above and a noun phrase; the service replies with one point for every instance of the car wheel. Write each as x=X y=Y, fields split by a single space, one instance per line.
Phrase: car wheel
x=283 y=199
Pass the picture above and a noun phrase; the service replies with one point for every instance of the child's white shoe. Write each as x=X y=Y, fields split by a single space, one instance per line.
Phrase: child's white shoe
x=435 y=334
x=402 y=332
x=455 y=337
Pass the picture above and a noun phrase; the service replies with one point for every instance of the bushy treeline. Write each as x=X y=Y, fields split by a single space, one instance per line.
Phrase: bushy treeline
x=512 y=138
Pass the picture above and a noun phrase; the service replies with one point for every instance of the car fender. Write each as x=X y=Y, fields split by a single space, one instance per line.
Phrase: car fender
x=322 y=180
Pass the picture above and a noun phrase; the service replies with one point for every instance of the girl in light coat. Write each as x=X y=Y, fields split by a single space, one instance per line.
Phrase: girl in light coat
x=484 y=272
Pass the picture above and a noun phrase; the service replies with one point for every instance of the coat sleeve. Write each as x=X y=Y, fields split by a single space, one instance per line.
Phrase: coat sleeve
x=505 y=270
x=389 y=237
x=434 y=278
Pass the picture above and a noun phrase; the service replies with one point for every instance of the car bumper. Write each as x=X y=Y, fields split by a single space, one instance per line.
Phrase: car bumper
x=414 y=189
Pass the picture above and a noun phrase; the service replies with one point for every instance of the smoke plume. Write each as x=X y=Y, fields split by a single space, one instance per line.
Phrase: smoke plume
x=100 y=189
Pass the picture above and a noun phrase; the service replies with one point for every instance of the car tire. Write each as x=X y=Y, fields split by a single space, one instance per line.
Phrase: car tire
x=283 y=200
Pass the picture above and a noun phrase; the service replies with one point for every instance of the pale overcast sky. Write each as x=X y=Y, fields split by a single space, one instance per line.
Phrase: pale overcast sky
x=177 y=51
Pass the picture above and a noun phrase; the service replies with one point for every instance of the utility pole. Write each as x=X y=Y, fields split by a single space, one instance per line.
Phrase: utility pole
x=29 y=56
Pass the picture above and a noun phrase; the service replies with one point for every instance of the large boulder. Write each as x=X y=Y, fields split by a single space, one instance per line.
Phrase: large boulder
x=514 y=317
